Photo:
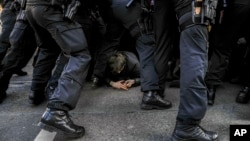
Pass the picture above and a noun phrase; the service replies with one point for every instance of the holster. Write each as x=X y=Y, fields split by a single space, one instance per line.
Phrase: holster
x=146 y=21
x=71 y=9
x=148 y=5
x=146 y=24
x=204 y=11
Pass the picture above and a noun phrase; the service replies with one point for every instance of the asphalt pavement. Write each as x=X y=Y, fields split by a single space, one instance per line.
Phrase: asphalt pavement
x=114 y=115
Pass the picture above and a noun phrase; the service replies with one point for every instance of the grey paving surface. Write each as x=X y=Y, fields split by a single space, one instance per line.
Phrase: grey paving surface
x=115 y=115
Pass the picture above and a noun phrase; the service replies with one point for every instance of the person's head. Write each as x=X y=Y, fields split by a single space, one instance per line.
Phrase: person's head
x=116 y=62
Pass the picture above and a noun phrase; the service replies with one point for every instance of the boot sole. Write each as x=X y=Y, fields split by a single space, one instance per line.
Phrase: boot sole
x=54 y=129
x=242 y=101
x=175 y=138
x=152 y=107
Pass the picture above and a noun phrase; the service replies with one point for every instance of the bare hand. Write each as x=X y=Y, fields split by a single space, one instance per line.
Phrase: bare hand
x=119 y=85
x=129 y=82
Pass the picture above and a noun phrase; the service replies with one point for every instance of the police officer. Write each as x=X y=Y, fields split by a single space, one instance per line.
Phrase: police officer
x=23 y=46
x=43 y=84
x=235 y=23
x=8 y=19
x=49 y=22
x=166 y=33
x=42 y=81
x=89 y=24
x=243 y=95
x=194 y=61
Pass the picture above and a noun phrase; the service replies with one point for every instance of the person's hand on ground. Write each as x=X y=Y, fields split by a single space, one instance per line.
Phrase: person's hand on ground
x=119 y=85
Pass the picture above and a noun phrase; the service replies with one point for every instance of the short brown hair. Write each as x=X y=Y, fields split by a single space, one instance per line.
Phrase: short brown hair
x=116 y=62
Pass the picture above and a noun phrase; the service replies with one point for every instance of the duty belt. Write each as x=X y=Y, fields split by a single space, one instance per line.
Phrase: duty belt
x=40 y=2
x=185 y=21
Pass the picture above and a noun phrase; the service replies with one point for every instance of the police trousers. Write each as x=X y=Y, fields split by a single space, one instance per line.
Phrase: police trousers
x=145 y=43
x=48 y=20
x=23 y=46
x=225 y=36
x=8 y=19
x=194 y=63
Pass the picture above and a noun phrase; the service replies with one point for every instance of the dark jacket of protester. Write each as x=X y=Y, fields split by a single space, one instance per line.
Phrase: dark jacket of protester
x=131 y=70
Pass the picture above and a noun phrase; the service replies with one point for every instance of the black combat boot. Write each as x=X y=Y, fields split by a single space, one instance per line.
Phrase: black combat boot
x=152 y=100
x=211 y=95
x=192 y=131
x=57 y=120
x=36 y=97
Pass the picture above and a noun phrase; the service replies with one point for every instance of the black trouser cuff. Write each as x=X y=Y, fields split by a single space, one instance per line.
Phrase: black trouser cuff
x=188 y=122
x=58 y=106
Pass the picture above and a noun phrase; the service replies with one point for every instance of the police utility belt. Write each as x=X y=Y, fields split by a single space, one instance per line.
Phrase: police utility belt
x=69 y=7
x=203 y=12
